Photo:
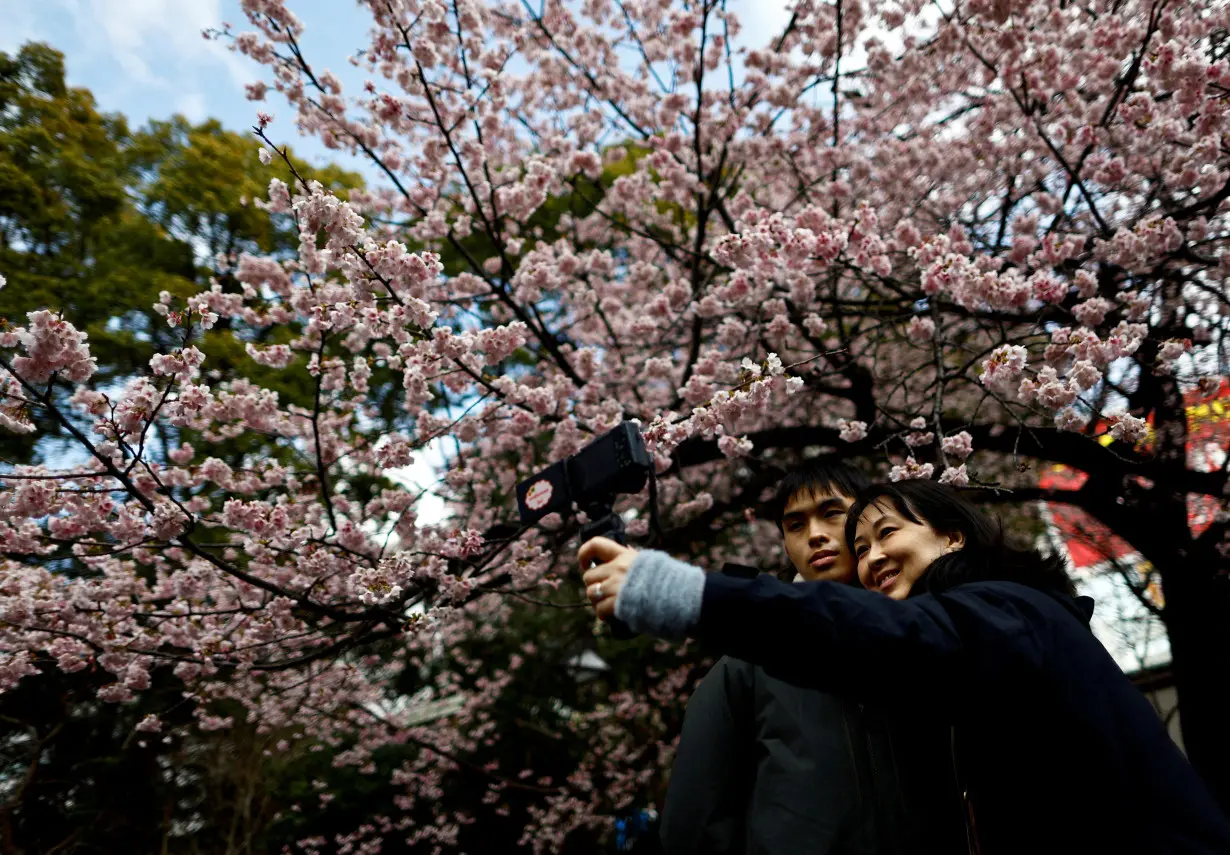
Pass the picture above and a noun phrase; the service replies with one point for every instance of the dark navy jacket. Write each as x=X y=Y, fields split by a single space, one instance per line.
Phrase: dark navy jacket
x=765 y=767
x=1058 y=751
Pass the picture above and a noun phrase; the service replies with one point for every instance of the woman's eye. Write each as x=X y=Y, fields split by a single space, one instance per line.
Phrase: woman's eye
x=886 y=531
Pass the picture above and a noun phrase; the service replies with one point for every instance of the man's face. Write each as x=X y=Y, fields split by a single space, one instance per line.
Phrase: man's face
x=814 y=530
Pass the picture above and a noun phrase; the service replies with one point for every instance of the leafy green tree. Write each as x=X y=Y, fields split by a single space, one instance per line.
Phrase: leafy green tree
x=70 y=235
x=97 y=220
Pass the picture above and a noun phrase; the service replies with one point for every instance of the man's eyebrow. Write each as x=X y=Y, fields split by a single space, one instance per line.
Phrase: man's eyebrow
x=822 y=505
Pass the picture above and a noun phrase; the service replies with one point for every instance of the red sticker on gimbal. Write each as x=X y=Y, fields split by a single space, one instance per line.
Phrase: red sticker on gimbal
x=539 y=494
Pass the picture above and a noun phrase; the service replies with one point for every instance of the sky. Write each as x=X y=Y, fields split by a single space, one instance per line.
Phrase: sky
x=148 y=60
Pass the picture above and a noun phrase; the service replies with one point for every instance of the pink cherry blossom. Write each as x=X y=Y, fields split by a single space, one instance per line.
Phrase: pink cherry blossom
x=1091 y=312
x=1016 y=222
x=955 y=475
x=51 y=344
x=960 y=445
x=1069 y=419
x=1004 y=366
x=1128 y=428
x=920 y=329
x=852 y=431
x=911 y=469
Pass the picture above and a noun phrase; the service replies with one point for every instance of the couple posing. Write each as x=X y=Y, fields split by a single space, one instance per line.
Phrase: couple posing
x=952 y=701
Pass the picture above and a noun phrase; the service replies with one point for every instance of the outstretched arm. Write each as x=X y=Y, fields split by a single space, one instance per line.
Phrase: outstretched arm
x=818 y=633
x=831 y=635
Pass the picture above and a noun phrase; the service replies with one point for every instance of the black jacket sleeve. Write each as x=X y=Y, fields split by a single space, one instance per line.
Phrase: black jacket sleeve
x=706 y=800
x=864 y=644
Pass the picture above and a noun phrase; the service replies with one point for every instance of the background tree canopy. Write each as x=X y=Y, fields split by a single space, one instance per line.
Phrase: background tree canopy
x=97 y=219
x=962 y=242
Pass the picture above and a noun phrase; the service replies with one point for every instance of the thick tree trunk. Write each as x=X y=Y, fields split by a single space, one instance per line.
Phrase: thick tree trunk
x=1194 y=583
x=1197 y=618
x=1196 y=589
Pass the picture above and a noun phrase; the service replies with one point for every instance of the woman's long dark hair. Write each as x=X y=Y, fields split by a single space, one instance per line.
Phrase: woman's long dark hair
x=986 y=555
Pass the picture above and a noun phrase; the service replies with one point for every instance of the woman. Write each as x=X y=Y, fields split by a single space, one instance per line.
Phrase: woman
x=1055 y=749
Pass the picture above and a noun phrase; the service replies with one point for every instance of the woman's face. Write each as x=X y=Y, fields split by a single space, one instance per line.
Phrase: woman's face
x=892 y=551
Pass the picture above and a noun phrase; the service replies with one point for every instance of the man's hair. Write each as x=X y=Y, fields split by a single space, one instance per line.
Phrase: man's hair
x=817 y=476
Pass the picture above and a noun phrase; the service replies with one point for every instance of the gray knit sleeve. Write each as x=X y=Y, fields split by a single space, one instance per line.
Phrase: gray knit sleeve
x=661 y=596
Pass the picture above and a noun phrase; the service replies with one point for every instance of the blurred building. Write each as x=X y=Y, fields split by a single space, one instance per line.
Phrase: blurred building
x=1126 y=588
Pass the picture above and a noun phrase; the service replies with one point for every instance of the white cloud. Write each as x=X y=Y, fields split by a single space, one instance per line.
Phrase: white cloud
x=762 y=20
x=192 y=105
x=163 y=30
x=154 y=44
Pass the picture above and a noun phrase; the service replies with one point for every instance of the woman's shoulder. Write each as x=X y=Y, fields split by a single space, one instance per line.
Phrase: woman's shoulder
x=1006 y=599
x=1015 y=629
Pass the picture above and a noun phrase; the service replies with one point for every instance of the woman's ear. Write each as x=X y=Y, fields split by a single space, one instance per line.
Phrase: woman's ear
x=954 y=540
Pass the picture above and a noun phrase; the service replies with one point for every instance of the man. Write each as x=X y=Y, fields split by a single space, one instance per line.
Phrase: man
x=768 y=768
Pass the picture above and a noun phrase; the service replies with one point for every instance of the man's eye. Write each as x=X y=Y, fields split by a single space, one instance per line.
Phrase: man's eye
x=832 y=513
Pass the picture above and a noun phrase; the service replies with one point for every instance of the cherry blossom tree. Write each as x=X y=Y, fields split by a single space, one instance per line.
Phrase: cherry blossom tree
x=955 y=240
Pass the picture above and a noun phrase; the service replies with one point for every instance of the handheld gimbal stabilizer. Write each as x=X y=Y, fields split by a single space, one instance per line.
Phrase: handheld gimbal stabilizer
x=613 y=464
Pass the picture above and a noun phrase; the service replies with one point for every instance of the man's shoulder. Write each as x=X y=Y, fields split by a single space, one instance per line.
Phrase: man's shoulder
x=730 y=663
x=773 y=683
x=731 y=672
x=728 y=670
x=772 y=704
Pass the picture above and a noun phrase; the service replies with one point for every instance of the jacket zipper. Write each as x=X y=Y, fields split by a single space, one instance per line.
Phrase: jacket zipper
x=876 y=794
x=967 y=807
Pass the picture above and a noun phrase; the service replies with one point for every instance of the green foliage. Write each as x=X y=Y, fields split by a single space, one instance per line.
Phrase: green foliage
x=76 y=777
x=198 y=183
x=96 y=220
x=69 y=236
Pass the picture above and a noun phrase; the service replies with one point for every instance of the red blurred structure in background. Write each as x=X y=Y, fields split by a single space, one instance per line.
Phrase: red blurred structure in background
x=1089 y=543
